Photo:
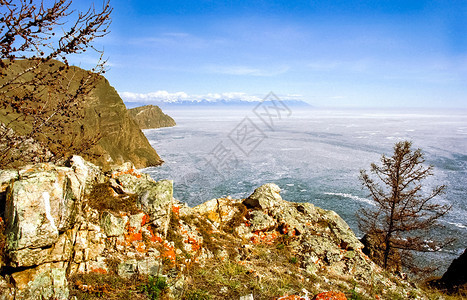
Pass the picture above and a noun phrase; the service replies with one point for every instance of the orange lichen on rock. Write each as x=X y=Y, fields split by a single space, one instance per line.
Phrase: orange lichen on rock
x=330 y=296
x=261 y=237
x=154 y=237
x=176 y=209
x=169 y=252
x=141 y=247
x=99 y=270
x=145 y=219
x=129 y=172
x=135 y=236
x=195 y=246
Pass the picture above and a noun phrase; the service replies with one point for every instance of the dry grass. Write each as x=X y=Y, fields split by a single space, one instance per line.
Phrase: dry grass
x=108 y=286
x=438 y=294
x=266 y=272
x=104 y=198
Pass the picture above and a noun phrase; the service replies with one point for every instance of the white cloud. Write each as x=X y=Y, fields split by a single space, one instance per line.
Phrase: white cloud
x=159 y=96
x=165 y=96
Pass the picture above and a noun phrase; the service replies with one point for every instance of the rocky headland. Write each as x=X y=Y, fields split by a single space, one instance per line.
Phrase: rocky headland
x=151 y=116
x=76 y=232
x=105 y=117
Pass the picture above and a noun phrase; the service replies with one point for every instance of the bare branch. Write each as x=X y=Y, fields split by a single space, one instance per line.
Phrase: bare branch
x=402 y=215
x=41 y=98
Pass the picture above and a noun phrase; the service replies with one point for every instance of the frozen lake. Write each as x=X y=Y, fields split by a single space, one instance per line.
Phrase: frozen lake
x=314 y=155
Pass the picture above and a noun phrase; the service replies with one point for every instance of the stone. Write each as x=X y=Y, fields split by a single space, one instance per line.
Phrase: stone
x=89 y=244
x=265 y=197
x=87 y=173
x=136 y=222
x=51 y=230
x=156 y=198
x=147 y=266
x=341 y=230
x=6 y=177
x=7 y=291
x=97 y=266
x=61 y=251
x=113 y=225
x=220 y=211
x=260 y=221
x=127 y=268
x=47 y=281
x=38 y=206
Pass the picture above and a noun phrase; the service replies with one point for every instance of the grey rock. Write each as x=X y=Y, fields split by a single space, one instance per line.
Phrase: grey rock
x=261 y=221
x=47 y=281
x=265 y=197
x=113 y=225
x=147 y=266
x=6 y=177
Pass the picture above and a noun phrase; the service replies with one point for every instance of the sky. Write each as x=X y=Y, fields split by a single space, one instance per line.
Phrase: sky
x=379 y=53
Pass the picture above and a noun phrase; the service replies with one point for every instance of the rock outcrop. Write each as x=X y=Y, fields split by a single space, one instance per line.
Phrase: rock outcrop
x=122 y=140
x=105 y=115
x=151 y=116
x=455 y=277
x=61 y=222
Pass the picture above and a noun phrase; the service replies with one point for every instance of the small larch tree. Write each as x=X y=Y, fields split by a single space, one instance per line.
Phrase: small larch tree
x=403 y=212
x=41 y=95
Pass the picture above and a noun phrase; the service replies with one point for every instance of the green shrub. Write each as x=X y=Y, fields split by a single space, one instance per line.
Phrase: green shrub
x=293 y=260
x=155 y=287
x=354 y=295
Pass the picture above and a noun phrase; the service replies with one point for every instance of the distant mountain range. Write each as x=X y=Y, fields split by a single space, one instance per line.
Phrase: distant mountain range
x=217 y=103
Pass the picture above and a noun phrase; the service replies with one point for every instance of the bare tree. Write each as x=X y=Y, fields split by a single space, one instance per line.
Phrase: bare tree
x=403 y=214
x=41 y=95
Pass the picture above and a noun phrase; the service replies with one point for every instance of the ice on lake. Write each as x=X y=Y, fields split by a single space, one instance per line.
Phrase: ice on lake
x=314 y=155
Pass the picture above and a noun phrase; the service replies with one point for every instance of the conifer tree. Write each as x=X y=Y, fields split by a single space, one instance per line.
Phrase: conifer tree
x=403 y=212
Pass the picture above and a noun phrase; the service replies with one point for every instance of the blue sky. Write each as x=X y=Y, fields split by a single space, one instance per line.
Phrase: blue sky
x=328 y=53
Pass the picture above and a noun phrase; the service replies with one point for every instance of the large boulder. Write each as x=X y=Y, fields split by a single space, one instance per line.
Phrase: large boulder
x=265 y=197
x=53 y=230
x=150 y=116
x=43 y=205
x=39 y=205
x=155 y=198
x=48 y=281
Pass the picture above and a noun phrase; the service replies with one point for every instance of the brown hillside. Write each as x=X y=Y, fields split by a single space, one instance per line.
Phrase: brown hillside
x=105 y=115
x=151 y=116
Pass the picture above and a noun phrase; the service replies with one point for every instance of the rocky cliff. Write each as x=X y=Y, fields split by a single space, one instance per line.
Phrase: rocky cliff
x=78 y=232
x=150 y=116
x=105 y=115
x=122 y=139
